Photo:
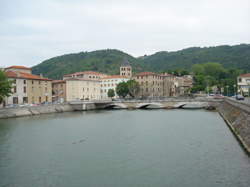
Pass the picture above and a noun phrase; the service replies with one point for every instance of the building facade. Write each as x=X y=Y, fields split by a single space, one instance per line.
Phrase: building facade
x=126 y=69
x=87 y=75
x=151 y=84
x=28 y=88
x=243 y=84
x=111 y=82
x=82 y=89
x=59 y=91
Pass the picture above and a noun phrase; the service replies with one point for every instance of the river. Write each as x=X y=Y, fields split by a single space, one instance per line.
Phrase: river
x=121 y=148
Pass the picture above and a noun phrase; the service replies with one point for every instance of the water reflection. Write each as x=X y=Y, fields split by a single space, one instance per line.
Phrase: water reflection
x=121 y=148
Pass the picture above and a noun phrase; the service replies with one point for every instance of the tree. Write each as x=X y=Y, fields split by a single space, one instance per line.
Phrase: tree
x=5 y=86
x=111 y=93
x=133 y=87
x=122 y=89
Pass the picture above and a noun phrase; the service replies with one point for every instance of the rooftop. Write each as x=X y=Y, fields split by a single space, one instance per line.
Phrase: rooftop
x=22 y=75
x=145 y=74
x=58 y=81
x=115 y=77
x=125 y=62
x=245 y=75
x=84 y=72
x=18 y=67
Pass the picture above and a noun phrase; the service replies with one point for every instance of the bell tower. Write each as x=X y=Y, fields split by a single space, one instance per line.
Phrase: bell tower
x=126 y=68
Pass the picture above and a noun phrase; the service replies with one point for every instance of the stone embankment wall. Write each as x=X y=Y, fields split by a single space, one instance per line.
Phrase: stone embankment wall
x=237 y=116
x=29 y=111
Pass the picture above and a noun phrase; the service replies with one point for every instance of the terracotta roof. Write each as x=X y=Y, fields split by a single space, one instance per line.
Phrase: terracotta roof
x=84 y=72
x=245 y=75
x=145 y=74
x=81 y=79
x=18 y=67
x=22 y=75
x=166 y=74
x=114 y=77
x=58 y=81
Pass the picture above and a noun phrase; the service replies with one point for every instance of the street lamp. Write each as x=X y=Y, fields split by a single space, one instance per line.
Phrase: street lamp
x=234 y=89
x=227 y=90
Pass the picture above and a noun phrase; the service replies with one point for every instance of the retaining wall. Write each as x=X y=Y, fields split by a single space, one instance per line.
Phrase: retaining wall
x=29 y=111
x=237 y=116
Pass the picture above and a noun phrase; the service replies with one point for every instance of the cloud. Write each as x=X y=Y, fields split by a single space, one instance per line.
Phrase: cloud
x=33 y=31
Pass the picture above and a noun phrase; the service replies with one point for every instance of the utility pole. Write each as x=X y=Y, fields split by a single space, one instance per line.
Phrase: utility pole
x=234 y=90
x=227 y=90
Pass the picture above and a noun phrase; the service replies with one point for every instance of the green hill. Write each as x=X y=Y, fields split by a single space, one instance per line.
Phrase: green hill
x=108 y=61
x=229 y=56
x=105 y=61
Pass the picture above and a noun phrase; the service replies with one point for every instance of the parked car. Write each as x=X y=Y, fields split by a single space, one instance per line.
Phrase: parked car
x=239 y=97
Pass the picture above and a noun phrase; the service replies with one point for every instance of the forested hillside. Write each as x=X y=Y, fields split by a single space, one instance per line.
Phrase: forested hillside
x=109 y=61
x=229 y=56
x=106 y=61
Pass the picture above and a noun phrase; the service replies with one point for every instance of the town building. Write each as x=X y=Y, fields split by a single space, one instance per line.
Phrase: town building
x=27 y=88
x=88 y=75
x=59 y=91
x=183 y=85
x=126 y=69
x=82 y=89
x=111 y=82
x=243 y=84
x=151 y=84
x=169 y=88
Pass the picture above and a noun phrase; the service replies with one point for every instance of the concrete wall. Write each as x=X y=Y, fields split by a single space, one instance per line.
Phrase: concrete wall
x=237 y=116
x=29 y=111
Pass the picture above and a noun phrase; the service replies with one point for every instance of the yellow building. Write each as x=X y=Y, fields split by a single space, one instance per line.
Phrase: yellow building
x=59 y=90
x=82 y=89
x=28 y=88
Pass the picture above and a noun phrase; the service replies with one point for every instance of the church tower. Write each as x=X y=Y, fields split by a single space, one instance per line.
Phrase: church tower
x=126 y=69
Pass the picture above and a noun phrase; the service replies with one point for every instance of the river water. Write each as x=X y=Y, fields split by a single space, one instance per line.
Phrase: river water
x=121 y=148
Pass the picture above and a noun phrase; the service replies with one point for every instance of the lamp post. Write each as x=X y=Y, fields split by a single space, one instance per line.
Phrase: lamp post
x=227 y=90
x=234 y=89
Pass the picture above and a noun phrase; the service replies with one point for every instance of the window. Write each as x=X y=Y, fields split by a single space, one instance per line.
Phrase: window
x=24 y=89
x=32 y=82
x=14 y=89
x=15 y=100
x=47 y=99
x=25 y=99
x=40 y=98
x=14 y=81
x=24 y=81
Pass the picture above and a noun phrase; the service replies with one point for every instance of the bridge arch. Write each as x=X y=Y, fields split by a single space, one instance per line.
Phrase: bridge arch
x=149 y=106
x=115 y=106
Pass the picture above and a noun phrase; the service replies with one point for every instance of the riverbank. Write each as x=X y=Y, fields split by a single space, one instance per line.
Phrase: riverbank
x=34 y=110
x=237 y=117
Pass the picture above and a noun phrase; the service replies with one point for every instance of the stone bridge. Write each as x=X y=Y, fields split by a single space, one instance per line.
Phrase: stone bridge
x=145 y=104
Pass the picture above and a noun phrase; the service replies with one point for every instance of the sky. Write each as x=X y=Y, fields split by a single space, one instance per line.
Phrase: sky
x=32 y=31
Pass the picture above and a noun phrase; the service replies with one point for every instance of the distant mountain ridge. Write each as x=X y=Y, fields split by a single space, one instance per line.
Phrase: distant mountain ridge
x=109 y=60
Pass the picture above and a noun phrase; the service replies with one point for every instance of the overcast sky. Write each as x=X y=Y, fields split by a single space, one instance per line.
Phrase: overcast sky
x=34 y=30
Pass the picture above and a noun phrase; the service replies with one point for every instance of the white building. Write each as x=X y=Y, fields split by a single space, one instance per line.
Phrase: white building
x=110 y=82
x=92 y=75
x=82 y=89
x=243 y=83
